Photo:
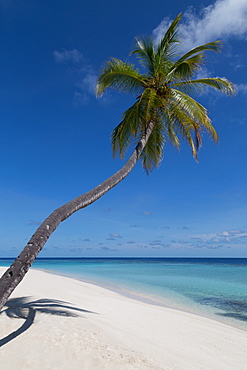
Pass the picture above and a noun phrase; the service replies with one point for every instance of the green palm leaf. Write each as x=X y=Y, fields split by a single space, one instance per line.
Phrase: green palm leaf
x=120 y=76
x=186 y=103
x=127 y=129
x=191 y=56
x=186 y=68
x=221 y=84
x=166 y=44
x=213 y=46
x=153 y=151
x=135 y=121
x=145 y=52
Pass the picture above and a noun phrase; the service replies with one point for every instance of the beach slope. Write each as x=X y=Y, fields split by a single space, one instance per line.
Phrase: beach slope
x=54 y=322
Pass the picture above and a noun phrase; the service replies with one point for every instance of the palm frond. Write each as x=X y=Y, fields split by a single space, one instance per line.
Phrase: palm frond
x=135 y=121
x=194 y=110
x=120 y=76
x=218 y=83
x=167 y=48
x=153 y=151
x=172 y=135
x=213 y=46
x=144 y=49
x=123 y=134
x=186 y=68
x=186 y=126
x=169 y=38
x=149 y=104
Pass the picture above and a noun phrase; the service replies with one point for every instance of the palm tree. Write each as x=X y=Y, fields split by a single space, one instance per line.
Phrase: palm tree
x=163 y=110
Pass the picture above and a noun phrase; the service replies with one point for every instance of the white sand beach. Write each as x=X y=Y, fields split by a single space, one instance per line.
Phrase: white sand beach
x=54 y=322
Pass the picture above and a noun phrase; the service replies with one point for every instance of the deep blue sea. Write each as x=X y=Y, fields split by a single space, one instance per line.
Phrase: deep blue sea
x=214 y=287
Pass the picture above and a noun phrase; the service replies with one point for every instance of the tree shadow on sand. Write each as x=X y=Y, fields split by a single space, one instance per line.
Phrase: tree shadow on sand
x=25 y=308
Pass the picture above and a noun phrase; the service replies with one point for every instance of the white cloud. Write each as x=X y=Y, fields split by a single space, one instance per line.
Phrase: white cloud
x=74 y=56
x=106 y=249
x=225 y=239
x=230 y=234
x=242 y=88
x=88 y=82
x=236 y=231
x=87 y=78
x=213 y=246
x=115 y=235
x=224 y=234
x=215 y=240
x=80 y=98
x=221 y=20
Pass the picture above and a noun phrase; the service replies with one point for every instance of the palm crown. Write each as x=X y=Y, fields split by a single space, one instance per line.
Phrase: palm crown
x=162 y=96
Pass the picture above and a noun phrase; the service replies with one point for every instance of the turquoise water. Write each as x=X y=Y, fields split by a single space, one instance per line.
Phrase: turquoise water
x=214 y=287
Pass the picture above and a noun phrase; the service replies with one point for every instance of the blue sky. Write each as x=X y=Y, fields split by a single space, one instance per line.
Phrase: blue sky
x=55 y=135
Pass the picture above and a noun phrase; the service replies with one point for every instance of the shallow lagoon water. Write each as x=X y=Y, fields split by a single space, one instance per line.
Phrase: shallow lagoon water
x=214 y=287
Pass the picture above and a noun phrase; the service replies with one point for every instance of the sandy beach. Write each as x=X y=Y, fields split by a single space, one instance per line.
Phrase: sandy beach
x=54 y=322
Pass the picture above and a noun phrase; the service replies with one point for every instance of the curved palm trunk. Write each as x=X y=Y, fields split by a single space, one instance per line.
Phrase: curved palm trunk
x=16 y=272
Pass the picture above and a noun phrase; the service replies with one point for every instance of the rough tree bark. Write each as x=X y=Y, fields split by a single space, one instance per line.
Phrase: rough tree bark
x=16 y=272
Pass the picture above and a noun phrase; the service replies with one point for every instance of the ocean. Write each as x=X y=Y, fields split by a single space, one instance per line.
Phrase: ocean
x=212 y=287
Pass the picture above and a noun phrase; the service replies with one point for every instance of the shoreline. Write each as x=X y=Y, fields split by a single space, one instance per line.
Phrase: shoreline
x=80 y=325
x=145 y=298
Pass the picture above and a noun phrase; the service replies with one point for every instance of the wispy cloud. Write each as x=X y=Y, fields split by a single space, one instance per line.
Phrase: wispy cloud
x=115 y=235
x=230 y=233
x=106 y=249
x=76 y=250
x=86 y=82
x=220 y=239
x=86 y=86
x=80 y=98
x=214 y=246
x=223 y=234
x=156 y=244
x=34 y=222
x=242 y=88
x=64 y=56
x=222 y=20
x=182 y=241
